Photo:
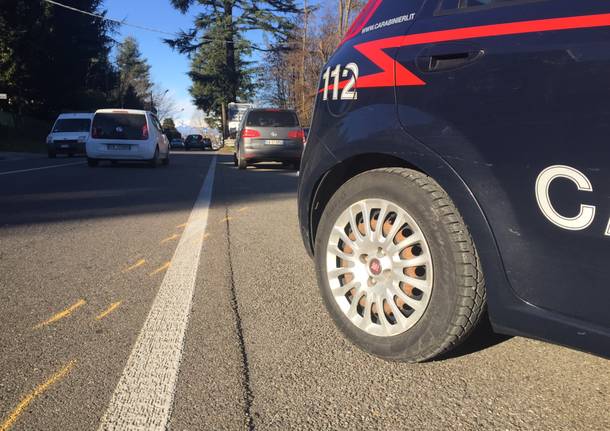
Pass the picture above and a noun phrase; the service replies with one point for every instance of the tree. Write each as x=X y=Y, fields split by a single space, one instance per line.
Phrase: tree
x=163 y=103
x=52 y=59
x=134 y=72
x=290 y=78
x=219 y=46
x=168 y=123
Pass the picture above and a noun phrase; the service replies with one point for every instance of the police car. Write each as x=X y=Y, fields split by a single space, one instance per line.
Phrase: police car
x=457 y=167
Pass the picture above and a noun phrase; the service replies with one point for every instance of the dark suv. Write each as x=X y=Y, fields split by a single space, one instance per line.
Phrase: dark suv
x=269 y=135
x=197 y=142
x=456 y=163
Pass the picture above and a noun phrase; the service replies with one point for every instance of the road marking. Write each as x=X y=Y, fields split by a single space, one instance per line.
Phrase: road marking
x=171 y=238
x=138 y=264
x=182 y=226
x=109 y=310
x=38 y=391
x=62 y=314
x=144 y=395
x=241 y=210
x=162 y=268
x=226 y=219
x=41 y=168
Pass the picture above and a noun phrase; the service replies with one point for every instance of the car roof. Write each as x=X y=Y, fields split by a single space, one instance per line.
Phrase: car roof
x=75 y=115
x=271 y=110
x=121 y=111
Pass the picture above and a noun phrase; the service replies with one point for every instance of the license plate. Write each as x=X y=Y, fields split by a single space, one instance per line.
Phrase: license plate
x=65 y=146
x=119 y=147
x=275 y=142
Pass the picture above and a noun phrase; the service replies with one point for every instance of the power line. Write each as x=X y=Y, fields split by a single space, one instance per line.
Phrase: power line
x=125 y=23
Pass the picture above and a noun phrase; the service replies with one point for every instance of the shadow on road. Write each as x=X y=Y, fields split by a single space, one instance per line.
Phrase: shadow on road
x=482 y=338
x=124 y=189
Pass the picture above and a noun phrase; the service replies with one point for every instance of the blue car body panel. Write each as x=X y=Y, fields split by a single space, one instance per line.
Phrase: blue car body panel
x=507 y=106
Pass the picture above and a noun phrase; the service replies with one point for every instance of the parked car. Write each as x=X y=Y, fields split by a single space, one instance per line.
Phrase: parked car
x=269 y=135
x=177 y=143
x=127 y=135
x=194 y=142
x=457 y=163
x=69 y=134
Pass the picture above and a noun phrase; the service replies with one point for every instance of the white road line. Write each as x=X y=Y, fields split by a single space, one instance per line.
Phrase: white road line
x=144 y=395
x=41 y=168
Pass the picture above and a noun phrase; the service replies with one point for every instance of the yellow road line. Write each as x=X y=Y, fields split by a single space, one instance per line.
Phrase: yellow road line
x=226 y=219
x=109 y=310
x=62 y=314
x=138 y=264
x=241 y=210
x=39 y=390
x=171 y=238
x=182 y=226
x=165 y=266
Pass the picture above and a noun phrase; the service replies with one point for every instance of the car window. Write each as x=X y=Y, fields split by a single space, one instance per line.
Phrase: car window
x=192 y=138
x=464 y=4
x=119 y=126
x=72 y=125
x=272 y=119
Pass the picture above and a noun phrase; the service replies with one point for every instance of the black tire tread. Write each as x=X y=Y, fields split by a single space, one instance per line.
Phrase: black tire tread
x=471 y=282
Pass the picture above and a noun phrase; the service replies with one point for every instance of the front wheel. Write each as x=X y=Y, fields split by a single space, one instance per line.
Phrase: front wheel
x=397 y=268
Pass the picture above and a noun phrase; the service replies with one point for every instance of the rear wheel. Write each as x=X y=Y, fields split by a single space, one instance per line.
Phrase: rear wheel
x=166 y=159
x=92 y=162
x=397 y=268
x=241 y=162
x=153 y=162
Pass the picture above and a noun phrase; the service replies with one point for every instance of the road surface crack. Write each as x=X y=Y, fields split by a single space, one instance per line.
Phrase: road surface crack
x=248 y=396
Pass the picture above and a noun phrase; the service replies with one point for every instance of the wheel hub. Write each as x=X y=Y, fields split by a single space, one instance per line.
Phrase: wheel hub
x=379 y=267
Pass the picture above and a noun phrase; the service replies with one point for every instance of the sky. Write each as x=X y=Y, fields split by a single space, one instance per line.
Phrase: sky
x=168 y=68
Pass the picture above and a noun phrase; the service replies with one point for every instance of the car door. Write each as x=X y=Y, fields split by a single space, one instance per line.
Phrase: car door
x=515 y=96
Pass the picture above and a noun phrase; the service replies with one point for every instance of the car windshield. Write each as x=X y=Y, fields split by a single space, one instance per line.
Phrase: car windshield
x=119 y=126
x=72 y=125
x=272 y=119
x=192 y=138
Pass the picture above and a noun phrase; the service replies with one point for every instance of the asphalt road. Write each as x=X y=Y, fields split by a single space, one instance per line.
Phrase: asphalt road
x=131 y=295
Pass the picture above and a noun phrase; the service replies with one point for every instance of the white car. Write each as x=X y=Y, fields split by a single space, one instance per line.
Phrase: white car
x=69 y=134
x=126 y=135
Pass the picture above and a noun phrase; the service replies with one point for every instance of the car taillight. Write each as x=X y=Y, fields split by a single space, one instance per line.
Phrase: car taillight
x=250 y=133
x=145 y=131
x=296 y=134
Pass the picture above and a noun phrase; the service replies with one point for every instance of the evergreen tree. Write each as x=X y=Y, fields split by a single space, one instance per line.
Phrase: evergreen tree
x=219 y=71
x=134 y=73
x=52 y=59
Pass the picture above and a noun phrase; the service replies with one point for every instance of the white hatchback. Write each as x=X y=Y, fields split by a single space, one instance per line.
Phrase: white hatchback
x=128 y=135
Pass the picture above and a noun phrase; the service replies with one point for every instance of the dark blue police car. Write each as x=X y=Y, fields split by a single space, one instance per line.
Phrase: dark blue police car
x=457 y=165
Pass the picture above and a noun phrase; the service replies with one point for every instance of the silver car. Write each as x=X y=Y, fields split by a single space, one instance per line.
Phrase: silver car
x=269 y=135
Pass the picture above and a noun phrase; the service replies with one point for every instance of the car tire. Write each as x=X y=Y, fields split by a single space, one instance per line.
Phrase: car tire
x=451 y=305
x=235 y=163
x=241 y=163
x=153 y=162
x=92 y=163
x=166 y=160
x=52 y=154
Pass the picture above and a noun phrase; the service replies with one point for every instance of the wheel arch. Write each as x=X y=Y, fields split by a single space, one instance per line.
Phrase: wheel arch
x=437 y=168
